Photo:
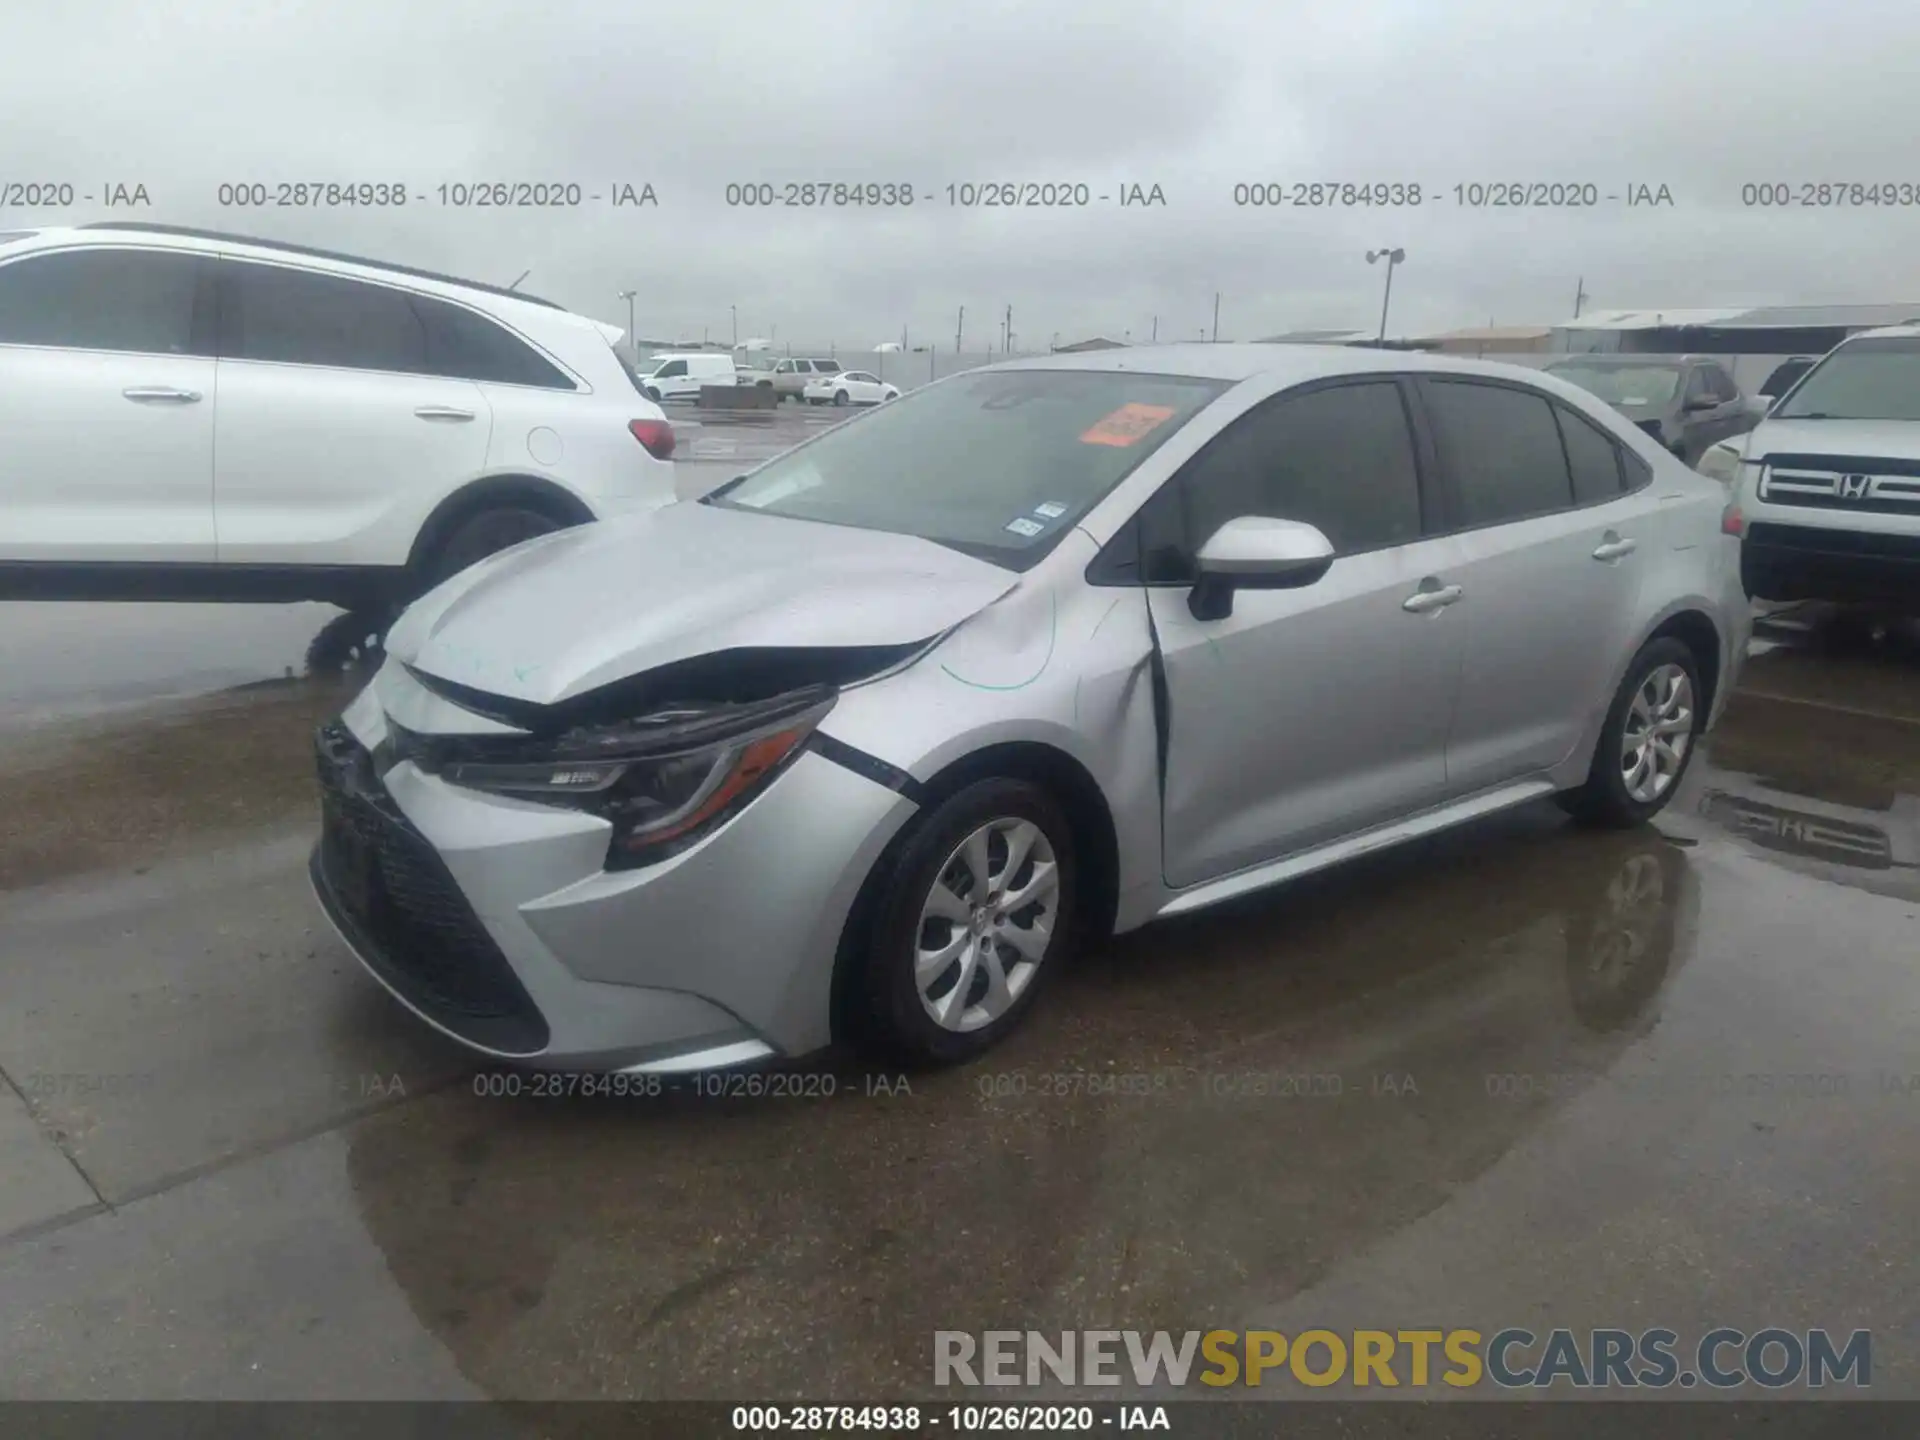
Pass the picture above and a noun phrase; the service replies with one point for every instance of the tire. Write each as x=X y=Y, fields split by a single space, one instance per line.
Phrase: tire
x=349 y=644
x=888 y=1018
x=839 y=397
x=484 y=534
x=1606 y=798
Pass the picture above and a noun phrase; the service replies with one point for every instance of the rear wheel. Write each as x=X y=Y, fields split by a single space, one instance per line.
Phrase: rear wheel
x=1646 y=741
x=487 y=533
x=973 y=912
x=839 y=397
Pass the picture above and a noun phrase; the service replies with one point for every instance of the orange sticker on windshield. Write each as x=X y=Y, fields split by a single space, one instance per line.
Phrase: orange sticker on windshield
x=1128 y=425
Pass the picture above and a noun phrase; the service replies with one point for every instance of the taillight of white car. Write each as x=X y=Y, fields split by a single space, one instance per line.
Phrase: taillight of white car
x=656 y=435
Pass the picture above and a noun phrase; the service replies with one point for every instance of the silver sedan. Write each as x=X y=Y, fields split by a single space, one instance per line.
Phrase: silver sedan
x=864 y=744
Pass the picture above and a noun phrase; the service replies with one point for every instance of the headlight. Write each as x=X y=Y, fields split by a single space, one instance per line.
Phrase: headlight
x=1722 y=463
x=664 y=780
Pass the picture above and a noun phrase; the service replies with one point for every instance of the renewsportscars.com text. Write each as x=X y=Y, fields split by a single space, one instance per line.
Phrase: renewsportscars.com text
x=1724 y=1358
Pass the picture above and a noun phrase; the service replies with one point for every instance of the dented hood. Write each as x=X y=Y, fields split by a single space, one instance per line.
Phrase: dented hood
x=563 y=615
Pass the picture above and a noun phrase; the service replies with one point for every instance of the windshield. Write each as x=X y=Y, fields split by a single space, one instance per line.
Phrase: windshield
x=998 y=464
x=1862 y=380
x=1623 y=384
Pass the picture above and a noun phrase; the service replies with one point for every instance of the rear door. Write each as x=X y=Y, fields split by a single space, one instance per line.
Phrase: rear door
x=1552 y=548
x=1310 y=714
x=333 y=443
x=107 y=402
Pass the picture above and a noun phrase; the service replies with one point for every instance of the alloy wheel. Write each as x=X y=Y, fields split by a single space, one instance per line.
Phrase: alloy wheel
x=1658 y=730
x=986 y=924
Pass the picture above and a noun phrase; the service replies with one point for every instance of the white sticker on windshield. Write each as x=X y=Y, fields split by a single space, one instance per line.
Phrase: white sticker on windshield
x=1021 y=525
x=1051 y=509
x=754 y=496
x=1634 y=400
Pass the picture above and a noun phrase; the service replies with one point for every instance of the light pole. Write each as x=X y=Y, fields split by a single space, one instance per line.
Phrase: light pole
x=1393 y=258
x=734 y=310
x=627 y=295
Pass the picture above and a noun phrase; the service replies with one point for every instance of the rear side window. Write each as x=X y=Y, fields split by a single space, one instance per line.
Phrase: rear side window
x=139 y=301
x=1503 y=449
x=1591 y=456
x=1339 y=458
x=296 y=317
x=471 y=347
x=826 y=367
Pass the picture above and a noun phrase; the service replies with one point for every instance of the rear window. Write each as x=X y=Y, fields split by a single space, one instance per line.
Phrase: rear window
x=1875 y=379
x=998 y=464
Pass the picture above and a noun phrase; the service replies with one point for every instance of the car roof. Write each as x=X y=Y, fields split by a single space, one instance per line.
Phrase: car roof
x=1888 y=332
x=120 y=232
x=1235 y=362
x=1639 y=362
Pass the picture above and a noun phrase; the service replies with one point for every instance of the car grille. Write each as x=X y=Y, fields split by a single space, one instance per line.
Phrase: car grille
x=405 y=914
x=1843 y=482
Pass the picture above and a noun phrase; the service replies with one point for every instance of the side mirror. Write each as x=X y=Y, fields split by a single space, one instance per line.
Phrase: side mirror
x=1255 y=552
x=1703 y=402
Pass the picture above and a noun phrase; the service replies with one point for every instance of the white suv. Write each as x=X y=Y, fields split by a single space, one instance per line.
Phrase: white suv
x=193 y=416
x=1827 y=487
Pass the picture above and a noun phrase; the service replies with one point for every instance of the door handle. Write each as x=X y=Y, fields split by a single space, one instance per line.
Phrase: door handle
x=160 y=395
x=1425 y=602
x=1612 y=547
x=443 y=412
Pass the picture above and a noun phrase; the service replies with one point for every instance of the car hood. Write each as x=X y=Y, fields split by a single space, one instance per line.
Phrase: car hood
x=557 y=617
x=1887 y=439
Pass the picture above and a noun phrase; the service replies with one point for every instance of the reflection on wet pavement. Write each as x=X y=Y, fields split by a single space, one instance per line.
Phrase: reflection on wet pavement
x=1520 y=1074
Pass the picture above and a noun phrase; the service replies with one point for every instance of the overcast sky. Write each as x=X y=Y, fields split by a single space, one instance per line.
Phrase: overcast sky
x=1701 y=96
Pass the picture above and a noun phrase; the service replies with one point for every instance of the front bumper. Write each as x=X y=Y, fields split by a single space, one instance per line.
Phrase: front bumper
x=1804 y=562
x=495 y=921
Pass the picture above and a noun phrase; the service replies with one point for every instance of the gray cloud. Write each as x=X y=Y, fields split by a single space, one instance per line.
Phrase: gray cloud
x=1196 y=98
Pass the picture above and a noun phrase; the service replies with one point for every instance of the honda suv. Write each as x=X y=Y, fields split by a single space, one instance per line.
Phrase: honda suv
x=192 y=416
x=1827 y=488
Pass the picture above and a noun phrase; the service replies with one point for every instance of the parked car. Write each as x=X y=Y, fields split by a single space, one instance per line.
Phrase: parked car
x=863 y=744
x=186 y=415
x=790 y=377
x=1686 y=402
x=1828 y=486
x=680 y=377
x=850 y=387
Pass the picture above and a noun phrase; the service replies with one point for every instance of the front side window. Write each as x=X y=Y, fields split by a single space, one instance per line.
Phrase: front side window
x=98 y=299
x=1503 y=448
x=673 y=369
x=997 y=464
x=296 y=317
x=1339 y=458
x=1871 y=379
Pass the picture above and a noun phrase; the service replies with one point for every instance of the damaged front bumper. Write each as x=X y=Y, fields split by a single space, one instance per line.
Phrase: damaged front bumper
x=495 y=919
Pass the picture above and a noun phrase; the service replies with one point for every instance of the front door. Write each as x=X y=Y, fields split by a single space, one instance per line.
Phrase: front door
x=107 y=389
x=1304 y=715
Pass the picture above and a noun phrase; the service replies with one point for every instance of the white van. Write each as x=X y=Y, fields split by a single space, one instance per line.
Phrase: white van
x=679 y=377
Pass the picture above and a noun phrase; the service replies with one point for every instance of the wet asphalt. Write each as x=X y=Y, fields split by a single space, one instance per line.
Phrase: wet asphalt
x=1522 y=1075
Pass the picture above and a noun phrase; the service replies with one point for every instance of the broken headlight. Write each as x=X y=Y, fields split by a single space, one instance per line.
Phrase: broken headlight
x=664 y=780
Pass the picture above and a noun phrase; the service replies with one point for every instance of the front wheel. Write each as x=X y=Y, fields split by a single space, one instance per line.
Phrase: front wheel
x=1646 y=741
x=973 y=912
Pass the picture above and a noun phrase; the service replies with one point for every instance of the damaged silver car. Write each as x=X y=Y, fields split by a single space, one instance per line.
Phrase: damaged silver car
x=864 y=744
